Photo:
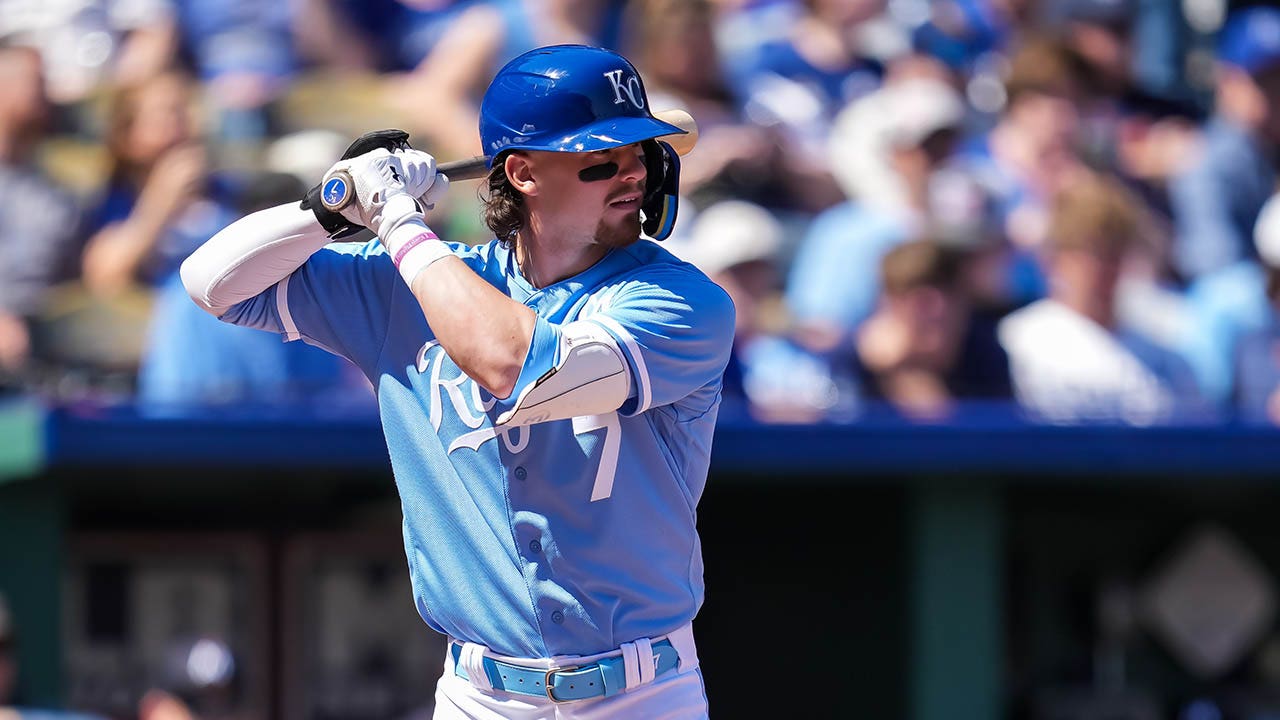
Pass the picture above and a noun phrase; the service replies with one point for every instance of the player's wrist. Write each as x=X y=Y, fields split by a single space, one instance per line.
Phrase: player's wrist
x=399 y=209
x=412 y=247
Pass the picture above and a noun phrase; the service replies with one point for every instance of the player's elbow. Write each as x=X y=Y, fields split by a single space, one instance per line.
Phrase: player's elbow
x=499 y=378
x=196 y=280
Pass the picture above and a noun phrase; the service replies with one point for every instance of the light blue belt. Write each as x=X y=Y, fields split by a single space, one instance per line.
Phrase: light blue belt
x=602 y=678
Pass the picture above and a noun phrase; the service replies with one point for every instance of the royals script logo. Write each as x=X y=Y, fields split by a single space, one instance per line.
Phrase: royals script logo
x=445 y=382
x=628 y=87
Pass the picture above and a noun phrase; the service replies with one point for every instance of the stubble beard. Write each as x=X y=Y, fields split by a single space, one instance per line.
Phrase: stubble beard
x=619 y=234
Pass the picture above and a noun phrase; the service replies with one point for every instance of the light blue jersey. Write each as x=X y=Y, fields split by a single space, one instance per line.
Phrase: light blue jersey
x=506 y=546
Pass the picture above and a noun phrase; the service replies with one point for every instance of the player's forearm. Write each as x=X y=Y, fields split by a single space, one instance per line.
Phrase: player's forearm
x=250 y=255
x=485 y=332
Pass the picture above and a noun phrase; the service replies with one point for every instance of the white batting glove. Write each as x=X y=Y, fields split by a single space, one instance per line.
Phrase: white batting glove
x=380 y=189
x=421 y=179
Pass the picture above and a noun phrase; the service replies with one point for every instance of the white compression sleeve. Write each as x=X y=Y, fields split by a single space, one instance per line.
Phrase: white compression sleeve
x=250 y=255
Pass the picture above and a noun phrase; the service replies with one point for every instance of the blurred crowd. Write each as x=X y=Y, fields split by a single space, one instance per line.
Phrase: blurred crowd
x=918 y=206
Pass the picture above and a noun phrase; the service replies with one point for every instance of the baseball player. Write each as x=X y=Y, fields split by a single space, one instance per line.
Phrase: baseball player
x=548 y=398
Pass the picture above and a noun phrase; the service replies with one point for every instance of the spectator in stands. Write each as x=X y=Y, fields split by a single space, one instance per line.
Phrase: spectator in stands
x=962 y=213
x=90 y=44
x=1099 y=36
x=439 y=56
x=243 y=52
x=584 y=22
x=1131 y=43
x=1030 y=153
x=922 y=350
x=160 y=204
x=1216 y=200
x=1071 y=357
x=1257 y=392
x=800 y=78
x=736 y=244
x=1100 y=33
x=38 y=220
x=735 y=158
x=958 y=32
x=158 y=184
x=886 y=147
x=1217 y=193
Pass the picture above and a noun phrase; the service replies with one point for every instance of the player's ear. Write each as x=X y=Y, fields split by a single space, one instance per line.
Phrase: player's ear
x=520 y=173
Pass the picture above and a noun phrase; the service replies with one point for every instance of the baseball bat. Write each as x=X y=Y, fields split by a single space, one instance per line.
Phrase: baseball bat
x=474 y=167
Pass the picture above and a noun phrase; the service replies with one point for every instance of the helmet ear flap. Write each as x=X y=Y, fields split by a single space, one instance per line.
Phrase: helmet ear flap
x=662 y=189
x=655 y=165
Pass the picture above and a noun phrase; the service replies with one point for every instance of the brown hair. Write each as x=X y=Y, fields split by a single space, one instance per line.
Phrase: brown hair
x=122 y=112
x=1097 y=214
x=1044 y=66
x=917 y=264
x=503 y=204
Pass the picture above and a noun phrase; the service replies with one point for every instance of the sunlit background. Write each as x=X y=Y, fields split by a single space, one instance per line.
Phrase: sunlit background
x=996 y=441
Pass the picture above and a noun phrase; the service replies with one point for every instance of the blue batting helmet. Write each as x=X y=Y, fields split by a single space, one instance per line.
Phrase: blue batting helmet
x=567 y=98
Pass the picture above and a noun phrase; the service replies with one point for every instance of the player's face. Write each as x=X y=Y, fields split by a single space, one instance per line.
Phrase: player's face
x=599 y=192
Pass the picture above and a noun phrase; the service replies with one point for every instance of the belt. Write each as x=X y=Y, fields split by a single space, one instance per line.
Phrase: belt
x=601 y=678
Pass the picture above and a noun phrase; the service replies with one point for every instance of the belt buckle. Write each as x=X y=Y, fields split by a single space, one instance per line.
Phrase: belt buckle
x=546 y=682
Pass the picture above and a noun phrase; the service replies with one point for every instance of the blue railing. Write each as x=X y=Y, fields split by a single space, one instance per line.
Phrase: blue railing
x=986 y=439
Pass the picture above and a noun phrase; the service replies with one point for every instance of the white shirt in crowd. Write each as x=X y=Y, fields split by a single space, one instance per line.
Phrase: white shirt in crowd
x=1066 y=367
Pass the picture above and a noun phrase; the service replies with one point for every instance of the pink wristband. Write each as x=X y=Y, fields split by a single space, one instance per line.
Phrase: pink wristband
x=413 y=243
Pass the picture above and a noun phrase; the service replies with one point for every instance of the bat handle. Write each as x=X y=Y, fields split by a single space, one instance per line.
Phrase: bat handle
x=469 y=169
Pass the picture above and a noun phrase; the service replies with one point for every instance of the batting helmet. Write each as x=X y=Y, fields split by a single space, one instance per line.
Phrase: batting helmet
x=567 y=98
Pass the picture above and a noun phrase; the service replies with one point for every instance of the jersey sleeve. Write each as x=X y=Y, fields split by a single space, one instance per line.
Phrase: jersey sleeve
x=675 y=330
x=339 y=300
x=671 y=325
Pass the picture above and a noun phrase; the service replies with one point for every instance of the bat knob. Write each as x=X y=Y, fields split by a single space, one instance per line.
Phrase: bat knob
x=337 y=191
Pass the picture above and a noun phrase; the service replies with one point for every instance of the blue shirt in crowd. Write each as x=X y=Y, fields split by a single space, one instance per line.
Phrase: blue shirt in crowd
x=1216 y=202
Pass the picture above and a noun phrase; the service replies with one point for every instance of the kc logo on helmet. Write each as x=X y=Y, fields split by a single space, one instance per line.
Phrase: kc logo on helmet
x=631 y=88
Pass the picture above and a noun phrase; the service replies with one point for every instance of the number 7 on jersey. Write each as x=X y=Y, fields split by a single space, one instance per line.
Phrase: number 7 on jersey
x=609 y=444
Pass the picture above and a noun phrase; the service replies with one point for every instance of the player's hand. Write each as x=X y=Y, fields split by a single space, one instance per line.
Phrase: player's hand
x=421 y=179
x=376 y=189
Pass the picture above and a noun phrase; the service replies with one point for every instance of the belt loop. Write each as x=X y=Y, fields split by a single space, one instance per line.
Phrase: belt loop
x=631 y=664
x=648 y=663
x=472 y=662
x=682 y=640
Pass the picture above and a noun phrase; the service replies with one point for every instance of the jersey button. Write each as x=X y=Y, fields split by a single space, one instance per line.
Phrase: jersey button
x=521 y=473
x=535 y=546
x=557 y=617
